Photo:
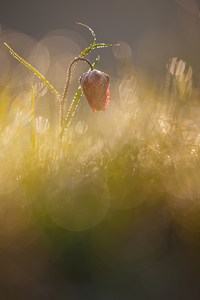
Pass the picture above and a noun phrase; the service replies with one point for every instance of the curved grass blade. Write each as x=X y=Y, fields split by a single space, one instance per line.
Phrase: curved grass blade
x=35 y=71
x=90 y=29
x=88 y=49
x=93 y=45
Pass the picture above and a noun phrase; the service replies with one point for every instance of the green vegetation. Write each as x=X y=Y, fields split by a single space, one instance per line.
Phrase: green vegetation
x=109 y=190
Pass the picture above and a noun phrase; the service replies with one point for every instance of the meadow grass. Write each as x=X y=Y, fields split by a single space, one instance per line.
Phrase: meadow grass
x=115 y=182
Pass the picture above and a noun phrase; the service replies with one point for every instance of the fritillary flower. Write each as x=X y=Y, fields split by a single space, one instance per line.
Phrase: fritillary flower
x=96 y=88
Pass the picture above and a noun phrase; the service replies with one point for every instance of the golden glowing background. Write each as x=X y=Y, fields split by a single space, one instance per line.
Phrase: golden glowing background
x=115 y=212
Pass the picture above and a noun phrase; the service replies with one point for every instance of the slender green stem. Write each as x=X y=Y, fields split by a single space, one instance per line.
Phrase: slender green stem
x=63 y=99
x=74 y=105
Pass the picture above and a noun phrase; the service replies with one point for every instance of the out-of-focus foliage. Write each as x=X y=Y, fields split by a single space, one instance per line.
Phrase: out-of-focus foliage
x=103 y=206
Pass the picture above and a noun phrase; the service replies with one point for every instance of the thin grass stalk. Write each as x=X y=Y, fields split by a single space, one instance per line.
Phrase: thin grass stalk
x=33 y=135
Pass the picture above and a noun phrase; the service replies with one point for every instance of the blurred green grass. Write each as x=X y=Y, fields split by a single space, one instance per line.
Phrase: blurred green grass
x=117 y=200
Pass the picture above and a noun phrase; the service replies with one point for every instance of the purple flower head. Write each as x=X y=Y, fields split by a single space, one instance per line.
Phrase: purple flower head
x=96 y=88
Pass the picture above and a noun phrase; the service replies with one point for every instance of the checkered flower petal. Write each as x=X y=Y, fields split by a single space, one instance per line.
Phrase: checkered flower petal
x=96 y=88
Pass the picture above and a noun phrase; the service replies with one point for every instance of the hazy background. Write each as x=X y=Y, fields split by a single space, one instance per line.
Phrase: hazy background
x=156 y=30
x=144 y=243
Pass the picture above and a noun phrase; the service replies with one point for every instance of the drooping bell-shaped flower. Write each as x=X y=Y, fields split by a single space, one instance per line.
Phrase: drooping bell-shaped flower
x=96 y=88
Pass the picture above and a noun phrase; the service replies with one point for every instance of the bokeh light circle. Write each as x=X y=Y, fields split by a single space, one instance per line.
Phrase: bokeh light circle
x=81 y=206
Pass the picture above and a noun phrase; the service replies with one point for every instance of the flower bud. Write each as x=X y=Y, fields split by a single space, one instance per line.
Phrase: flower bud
x=95 y=86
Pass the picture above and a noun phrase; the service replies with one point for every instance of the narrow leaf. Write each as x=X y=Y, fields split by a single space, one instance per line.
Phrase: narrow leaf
x=85 y=52
x=92 y=32
x=71 y=111
x=96 y=62
x=103 y=45
x=35 y=71
x=88 y=49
